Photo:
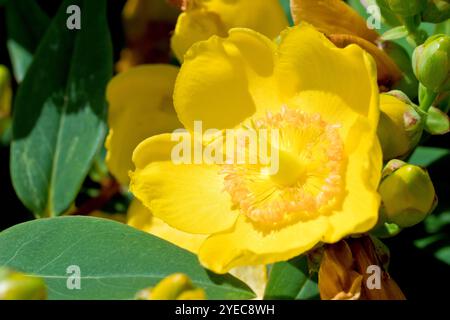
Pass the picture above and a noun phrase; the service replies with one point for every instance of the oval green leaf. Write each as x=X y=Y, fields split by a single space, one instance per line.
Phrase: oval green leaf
x=59 y=113
x=115 y=261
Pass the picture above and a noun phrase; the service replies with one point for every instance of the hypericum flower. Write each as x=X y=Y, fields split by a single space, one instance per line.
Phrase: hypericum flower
x=323 y=100
x=205 y=18
x=349 y=28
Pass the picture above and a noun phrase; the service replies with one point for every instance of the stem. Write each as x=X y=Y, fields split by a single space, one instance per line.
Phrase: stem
x=427 y=98
x=109 y=189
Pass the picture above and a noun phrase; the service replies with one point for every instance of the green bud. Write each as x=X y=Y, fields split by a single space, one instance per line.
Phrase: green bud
x=400 y=127
x=436 y=11
x=431 y=63
x=407 y=194
x=407 y=8
x=18 y=286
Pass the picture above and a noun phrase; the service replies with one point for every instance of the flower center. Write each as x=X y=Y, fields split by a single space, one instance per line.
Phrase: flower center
x=308 y=180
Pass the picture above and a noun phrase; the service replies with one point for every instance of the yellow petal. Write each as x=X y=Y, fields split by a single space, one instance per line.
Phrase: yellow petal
x=388 y=72
x=331 y=17
x=248 y=244
x=317 y=64
x=222 y=81
x=254 y=276
x=266 y=17
x=359 y=211
x=331 y=108
x=140 y=105
x=139 y=217
x=194 y=26
x=187 y=197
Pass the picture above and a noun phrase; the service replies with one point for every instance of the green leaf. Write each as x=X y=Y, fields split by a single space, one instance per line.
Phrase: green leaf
x=115 y=260
x=437 y=122
x=26 y=24
x=426 y=156
x=291 y=280
x=59 y=116
x=395 y=33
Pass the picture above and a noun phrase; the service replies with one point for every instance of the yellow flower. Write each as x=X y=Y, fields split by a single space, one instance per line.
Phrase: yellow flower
x=205 y=18
x=140 y=105
x=324 y=101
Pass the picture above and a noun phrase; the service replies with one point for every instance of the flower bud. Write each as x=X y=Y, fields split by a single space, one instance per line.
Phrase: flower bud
x=19 y=286
x=407 y=194
x=436 y=11
x=407 y=8
x=5 y=92
x=431 y=63
x=400 y=126
x=177 y=286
